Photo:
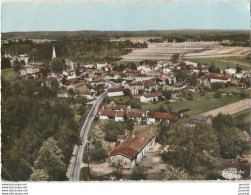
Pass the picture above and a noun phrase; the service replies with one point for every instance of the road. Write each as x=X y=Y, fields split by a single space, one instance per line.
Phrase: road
x=230 y=108
x=73 y=172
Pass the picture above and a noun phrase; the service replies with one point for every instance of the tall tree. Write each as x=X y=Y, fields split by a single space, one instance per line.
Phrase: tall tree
x=50 y=159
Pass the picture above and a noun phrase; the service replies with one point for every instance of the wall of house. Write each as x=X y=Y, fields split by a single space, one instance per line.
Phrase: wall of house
x=117 y=119
x=103 y=117
x=118 y=93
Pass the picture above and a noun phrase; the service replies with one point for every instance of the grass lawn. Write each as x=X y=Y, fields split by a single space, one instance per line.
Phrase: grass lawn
x=218 y=62
x=8 y=73
x=198 y=105
x=243 y=116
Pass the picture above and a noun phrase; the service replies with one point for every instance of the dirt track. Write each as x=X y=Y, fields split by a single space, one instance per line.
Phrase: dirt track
x=230 y=108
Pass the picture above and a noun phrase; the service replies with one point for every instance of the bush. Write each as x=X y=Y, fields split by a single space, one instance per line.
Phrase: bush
x=98 y=153
x=139 y=173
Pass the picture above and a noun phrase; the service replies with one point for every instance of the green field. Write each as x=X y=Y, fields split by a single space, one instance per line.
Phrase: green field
x=8 y=74
x=243 y=116
x=198 y=105
x=218 y=62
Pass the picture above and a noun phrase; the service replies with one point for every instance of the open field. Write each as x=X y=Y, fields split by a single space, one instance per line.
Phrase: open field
x=221 y=63
x=230 y=108
x=243 y=116
x=198 y=105
x=8 y=74
x=164 y=51
x=220 y=52
x=134 y=39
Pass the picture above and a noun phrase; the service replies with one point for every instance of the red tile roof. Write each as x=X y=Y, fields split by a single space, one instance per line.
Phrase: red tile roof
x=132 y=146
x=161 y=115
x=106 y=112
x=115 y=89
x=154 y=94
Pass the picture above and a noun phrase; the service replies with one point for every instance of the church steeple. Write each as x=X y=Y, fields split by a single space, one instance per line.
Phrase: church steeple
x=53 y=53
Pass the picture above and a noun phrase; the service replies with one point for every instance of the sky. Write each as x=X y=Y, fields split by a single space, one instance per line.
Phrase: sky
x=124 y=16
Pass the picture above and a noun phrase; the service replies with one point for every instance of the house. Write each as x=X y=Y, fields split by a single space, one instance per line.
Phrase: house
x=120 y=115
x=230 y=71
x=24 y=57
x=144 y=68
x=121 y=107
x=238 y=75
x=200 y=69
x=133 y=149
x=203 y=79
x=193 y=88
x=47 y=81
x=219 y=78
x=179 y=86
x=134 y=87
x=150 y=97
x=100 y=65
x=206 y=119
x=76 y=86
x=246 y=74
x=106 y=114
x=88 y=94
x=241 y=85
x=115 y=92
x=32 y=69
x=136 y=115
x=22 y=71
x=158 y=117
x=167 y=70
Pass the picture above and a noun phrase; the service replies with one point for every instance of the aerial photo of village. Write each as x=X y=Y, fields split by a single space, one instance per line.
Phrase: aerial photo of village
x=125 y=105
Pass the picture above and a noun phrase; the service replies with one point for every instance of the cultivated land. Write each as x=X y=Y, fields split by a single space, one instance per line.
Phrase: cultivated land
x=223 y=62
x=230 y=108
x=164 y=51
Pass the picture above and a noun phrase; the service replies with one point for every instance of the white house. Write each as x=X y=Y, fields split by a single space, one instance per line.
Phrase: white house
x=145 y=68
x=119 y=115
x=158 y=117
x=131 y=151
x=100 y=65
x=167 y=70
x=219 y=78
x=150 y=97
x=115 y=92
x=230 y=71
x=24 y=57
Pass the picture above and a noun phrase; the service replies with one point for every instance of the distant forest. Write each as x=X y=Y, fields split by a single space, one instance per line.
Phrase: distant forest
x=200 y=35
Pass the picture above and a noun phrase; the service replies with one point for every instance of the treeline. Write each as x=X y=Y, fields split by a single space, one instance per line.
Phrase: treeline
x=241 y=38
x=39 y=131
x=84 y=50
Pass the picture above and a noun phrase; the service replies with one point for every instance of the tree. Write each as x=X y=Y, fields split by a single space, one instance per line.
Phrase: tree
x=212 y=68
x=238 y=68
x=132 y=66
x=228 y=136
x=34 y=53
x=191 y=147
x=50 y=159
x=16 y=66
x=112 y=129
x=175 y=57
x=39 y=175
x=99 y=88
x=127 y=92
x=57 y=65
x=139 y=173
x=193 y=79
x=71 y=92
x=118 y=166
x=98 y=153
x=167 y=94
x=189 y=95
x=180 y=75
x=5 y=63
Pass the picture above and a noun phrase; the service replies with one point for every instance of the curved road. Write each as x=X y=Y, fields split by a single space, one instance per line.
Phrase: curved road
x=73 y=172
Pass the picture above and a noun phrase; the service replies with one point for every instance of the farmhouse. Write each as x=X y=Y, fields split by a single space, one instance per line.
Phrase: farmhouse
x=241 y=85
x=150 y=97
x=158 y=117
x=131 y=151
x=219 y=78
x=115 y=92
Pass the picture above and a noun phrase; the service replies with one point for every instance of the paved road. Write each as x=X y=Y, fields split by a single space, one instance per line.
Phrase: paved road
x=230 y=108
x=73 y=172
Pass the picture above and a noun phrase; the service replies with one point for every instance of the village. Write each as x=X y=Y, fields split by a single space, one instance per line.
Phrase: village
x=140 y=98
